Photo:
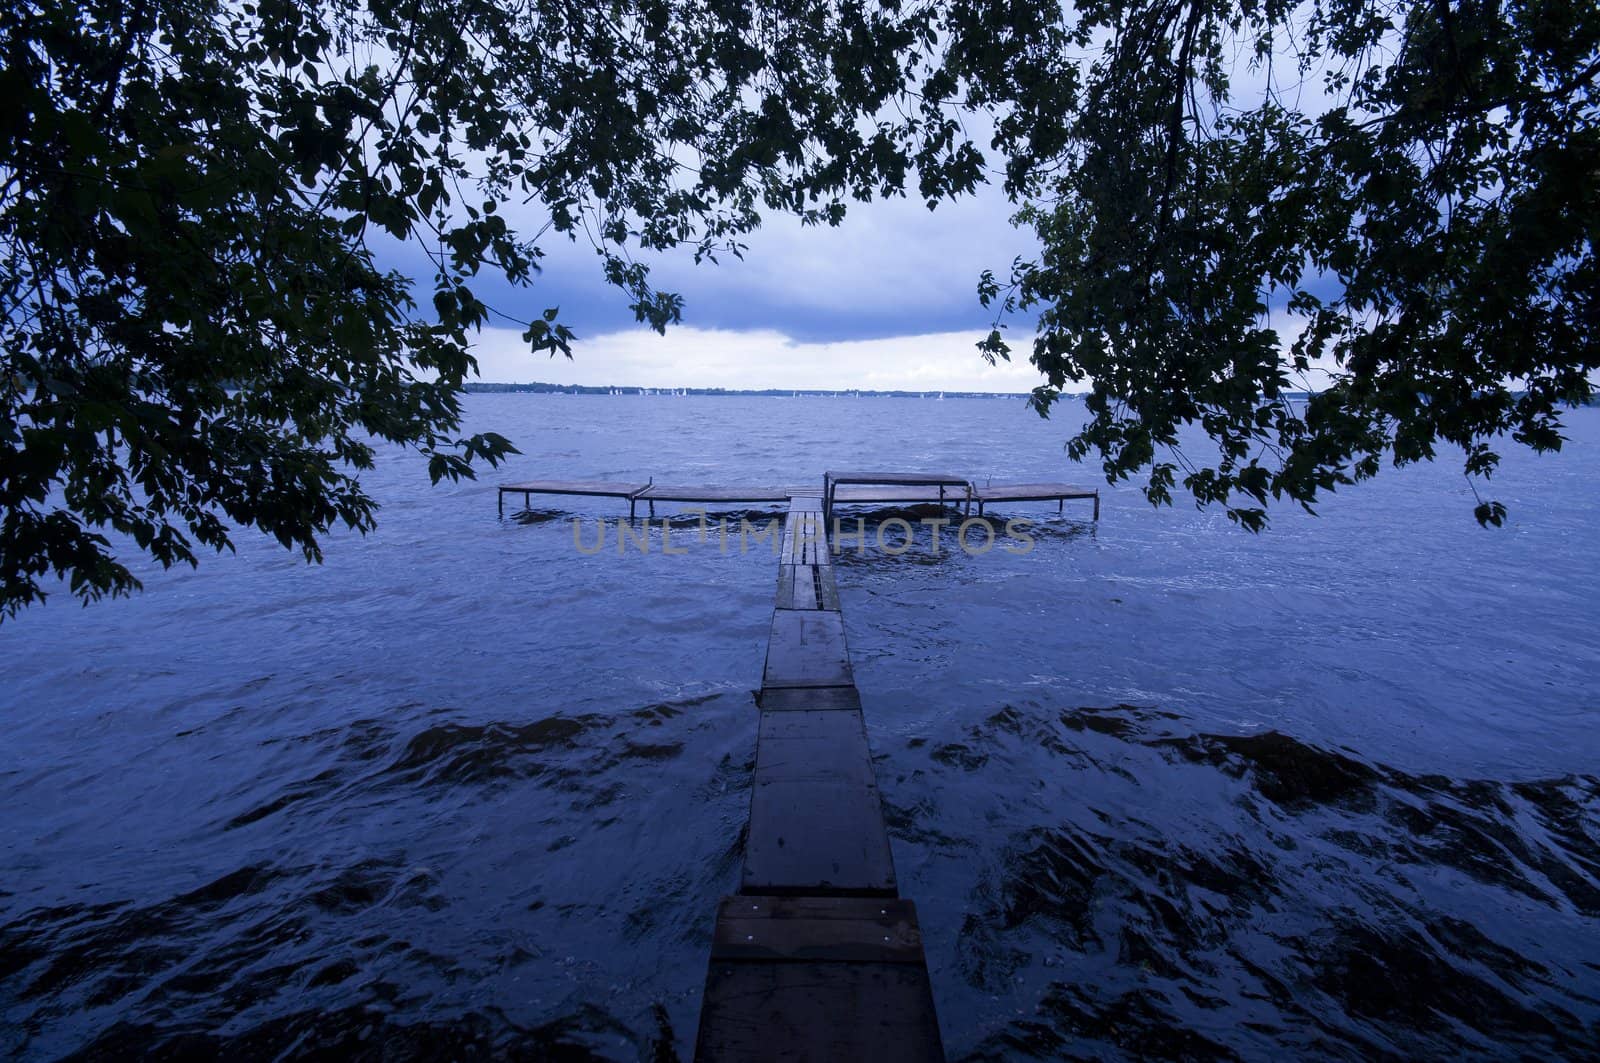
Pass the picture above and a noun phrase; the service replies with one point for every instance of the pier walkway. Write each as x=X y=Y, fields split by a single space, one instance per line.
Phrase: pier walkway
x=817 y=957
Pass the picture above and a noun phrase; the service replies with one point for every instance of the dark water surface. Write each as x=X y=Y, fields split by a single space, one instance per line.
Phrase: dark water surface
x=1161 y=789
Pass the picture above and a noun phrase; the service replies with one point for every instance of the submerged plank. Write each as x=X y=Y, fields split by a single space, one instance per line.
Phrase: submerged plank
x=807 y=649
x=816 y=821
x=822 y=1012
x=843 y=929
x=709 y=493
x=1035 y=492
x=607 y=488
x=902 y=493
x=813 y=699
x=897 y=478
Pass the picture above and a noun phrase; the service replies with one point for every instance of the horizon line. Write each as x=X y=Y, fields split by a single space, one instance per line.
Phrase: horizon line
x=542 y=387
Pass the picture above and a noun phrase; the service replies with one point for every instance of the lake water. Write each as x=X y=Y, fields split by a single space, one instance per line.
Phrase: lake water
x=1159 y=787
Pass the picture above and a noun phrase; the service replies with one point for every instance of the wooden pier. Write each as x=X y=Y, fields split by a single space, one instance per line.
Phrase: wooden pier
x=817 y=958
x=837 y=488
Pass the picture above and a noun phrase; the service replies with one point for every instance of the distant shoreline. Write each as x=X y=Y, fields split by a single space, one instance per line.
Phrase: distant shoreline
x=540 y=388
x=484 y=388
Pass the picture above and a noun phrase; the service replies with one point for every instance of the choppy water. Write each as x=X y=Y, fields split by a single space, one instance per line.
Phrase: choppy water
x=1160 y=788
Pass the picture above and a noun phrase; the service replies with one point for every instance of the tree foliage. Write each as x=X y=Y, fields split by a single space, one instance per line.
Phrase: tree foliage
x=1397 y=210
x=198 y=335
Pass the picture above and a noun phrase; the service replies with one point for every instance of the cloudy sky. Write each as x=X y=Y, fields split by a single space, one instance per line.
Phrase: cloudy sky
x=887 y=300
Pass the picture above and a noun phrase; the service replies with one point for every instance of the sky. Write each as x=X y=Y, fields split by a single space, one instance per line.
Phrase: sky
x=885 y=301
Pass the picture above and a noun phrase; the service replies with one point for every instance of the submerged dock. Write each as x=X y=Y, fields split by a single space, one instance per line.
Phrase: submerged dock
x=837 y=488
x=817 y=957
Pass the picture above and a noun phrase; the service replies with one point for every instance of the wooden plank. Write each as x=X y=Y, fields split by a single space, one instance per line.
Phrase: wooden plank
x=896 y=478
x=708 y=493
x=605 y=488
x=807 y=649
x=818 y=1013
x=804 y=539
x=807 y=587
x=789 y=552
x=1035 y=492
x=816 y=821
x=805 y=502
x=812 y=699
x=827 y=588
x=890 y=493
x=841 y=929
x=797 y=587
x=815 y=546
x=805 y=533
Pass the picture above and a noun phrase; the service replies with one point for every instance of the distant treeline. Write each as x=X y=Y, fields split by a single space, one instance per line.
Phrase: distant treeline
x=538 y=388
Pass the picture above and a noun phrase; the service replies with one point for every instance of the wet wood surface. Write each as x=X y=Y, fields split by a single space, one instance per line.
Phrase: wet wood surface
x=807 y=587
x=806 y=648
x=797 y=587
x=893 y=493
x=818 y=1012
x=846 y=929
x=817 y=958
x=1041 y=492
x=805 y=539
x=827 y=587
x=790 y=699
x=936 y=478
x=816 y=821
x=709 y=493
x=606 y=488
